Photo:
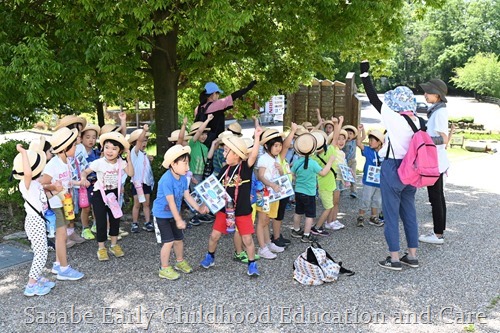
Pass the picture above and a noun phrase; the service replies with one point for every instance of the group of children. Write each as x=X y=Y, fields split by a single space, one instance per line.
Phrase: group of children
x=310 y=158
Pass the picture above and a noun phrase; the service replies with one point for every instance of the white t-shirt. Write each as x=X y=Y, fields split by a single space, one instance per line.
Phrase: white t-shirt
x=268 y=162
x=438 y=122
x=107 y=173
x=61 y=171
x=142 y=167
x=35 y=195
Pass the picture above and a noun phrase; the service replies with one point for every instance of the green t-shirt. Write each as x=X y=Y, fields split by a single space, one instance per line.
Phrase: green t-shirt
x=198 y=158
x=325 y=183
x=305 y=179
x=339 y=159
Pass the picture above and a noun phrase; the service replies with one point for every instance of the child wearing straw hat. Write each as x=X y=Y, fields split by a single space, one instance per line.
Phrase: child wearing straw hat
x=305 y=171
x=143 y=178
x=56 y=179
x=236 y=177
x=371 y=196
x=108 y=169
x=199 y=151
x=122 y=128
x=172 y=189
x=350 y=154
x=27 y=167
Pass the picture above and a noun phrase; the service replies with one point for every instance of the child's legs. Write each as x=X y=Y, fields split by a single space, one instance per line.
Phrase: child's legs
x=279 y=218
x=296 y=221
x=352 y=164
x=262 y=225
x=114 y=228
x=135 y=209
x=244 y=224
x=327 y=202
x=308 y=225
x=165 y=254
x=238 y=243
x=310 y=213
x=335 y=209
x=85 y=217
x=36 y=232
x=61 y=237
x=101 y=218
x=179 y=250
x=213 y=240
x=146 y=208
x=376 y=205
x=249 y=246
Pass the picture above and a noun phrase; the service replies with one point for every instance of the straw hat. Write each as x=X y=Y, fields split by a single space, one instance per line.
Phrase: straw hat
x=34 y=145
x=225 y=134
x=235 y=128
x=249 y=142
x=377 y=134
x=195 y=127
x=305 y=144
x=300 y=130
x=328 y=122
x=92 y=127
x=320 y=137
x=114 y=136
x=344 y=133
x=351 y=128
x=329 y=139
x=307 y=125
x=62 y=138
x=173 y=153
x=436 y=86
x=70 y=120
x=269 y=134
x=174 y=136
x=237 y=145
x=135 y=135
x=109 y=128
x=37 y=161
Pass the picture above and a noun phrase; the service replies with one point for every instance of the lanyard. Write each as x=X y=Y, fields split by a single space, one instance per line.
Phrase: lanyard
x=226 y=181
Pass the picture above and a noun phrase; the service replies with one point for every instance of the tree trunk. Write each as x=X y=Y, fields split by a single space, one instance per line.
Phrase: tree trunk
x=165 y=77
x=100 y=113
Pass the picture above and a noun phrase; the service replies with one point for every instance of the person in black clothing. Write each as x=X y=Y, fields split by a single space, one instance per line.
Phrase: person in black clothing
x=211 y=104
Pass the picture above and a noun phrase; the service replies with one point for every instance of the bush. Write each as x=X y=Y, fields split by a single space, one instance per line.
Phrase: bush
x=10 y=198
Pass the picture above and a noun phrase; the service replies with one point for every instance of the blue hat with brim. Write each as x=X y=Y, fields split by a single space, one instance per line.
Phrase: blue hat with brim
x=401 y=99
x=211 y=88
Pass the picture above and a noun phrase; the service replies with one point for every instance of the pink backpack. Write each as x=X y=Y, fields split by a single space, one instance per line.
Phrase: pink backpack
x=420 y=165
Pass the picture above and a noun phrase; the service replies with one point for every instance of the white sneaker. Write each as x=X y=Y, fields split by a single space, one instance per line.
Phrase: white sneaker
x=335 y=225
x=266 y=253
x=431 y=238
x=275 y=248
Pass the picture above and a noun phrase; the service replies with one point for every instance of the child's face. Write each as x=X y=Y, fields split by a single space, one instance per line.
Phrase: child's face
x=374 y=143
x=350 y=135
x=203 y=137
x=143 y=144
x=72 y=150
x=276 y=148
x=231 y=157
x=89 y=139
x=341 y=141
x=181 y=167
x=111 y=151
x=328 y=129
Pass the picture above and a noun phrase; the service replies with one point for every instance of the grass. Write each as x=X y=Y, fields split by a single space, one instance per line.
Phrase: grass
x=470 y=328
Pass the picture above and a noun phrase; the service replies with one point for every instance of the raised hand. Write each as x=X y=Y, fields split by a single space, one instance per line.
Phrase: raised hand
x=145 y=127
x=20 y=148
x=122 y=116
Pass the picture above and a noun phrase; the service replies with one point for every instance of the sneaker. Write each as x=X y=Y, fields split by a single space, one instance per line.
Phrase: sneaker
x=252 y=269
x=75 y=237
x=116 y=250
x=278 y=242
x=208 y=262
x=36 y=289
x=183 y=266
x=409 y=262
x=148 y=226
x=297 y=234
x=168 y=273
x=94 y=228
x=87 y=234
x=381 y=217
x=134 y=228
x=387 y=263
x=194 y=221
x=319 y=231
x=431 y=238
x=206 y=218
x=240 y=256
x=307 y=239
x=69 y=243
x=335 y=225
x=69 y=274
x=46 y=282
x=122 y=232
x=266 y=253
x=375 y=221
x=51 y=246
x=284 y=240
x=56 y=268
x=275 y=248
x=360 y=221
x=102 y=254
x=354 y=195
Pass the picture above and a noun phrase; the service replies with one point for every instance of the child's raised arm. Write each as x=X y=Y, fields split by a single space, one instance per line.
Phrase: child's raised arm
x=123 y=123
x=28 y=174
x=288 y=140
x=254 y=153
x=201 y=129
x=129 y=169
x=182 y=132
x=361 y=137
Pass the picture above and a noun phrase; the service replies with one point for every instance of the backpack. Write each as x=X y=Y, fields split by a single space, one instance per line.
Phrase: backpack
x=315 y=266
x=201 y=114
x=420 y=166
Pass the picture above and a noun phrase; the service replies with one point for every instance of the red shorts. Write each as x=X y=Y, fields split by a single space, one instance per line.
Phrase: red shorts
x=244 y=224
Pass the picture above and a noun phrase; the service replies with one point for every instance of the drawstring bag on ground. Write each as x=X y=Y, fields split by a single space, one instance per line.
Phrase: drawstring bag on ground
x=315 y=266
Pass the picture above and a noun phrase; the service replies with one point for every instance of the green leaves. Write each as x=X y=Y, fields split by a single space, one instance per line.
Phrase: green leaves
x=480 y=74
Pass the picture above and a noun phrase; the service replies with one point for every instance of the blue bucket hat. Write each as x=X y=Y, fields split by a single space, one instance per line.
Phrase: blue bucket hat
x=401 y=99
x=211 y=88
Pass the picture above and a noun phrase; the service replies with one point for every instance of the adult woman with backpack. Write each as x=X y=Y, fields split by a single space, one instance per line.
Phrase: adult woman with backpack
x=398 y=200
x=437 y=127
x=211 y=104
